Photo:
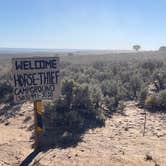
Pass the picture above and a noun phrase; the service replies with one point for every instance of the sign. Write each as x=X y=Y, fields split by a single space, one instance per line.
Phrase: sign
x=36 y=78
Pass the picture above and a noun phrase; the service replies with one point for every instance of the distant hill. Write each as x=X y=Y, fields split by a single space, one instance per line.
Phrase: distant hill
x=32 y=50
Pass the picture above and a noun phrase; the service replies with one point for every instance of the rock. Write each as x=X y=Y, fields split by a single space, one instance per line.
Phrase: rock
x=69 y=157
x=148 y=157
x=7 y=123
x=126 y=128
x=76 y=155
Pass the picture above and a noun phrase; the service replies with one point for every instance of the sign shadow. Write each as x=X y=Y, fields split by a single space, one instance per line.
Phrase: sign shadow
x=29 y=158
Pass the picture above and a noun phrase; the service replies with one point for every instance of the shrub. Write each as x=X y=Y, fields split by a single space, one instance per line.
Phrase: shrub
x=142 y=96
x=135 y=85
x=159 y=77
x=76 y=111
x=96 y=96
x=6 y=93
x=162 y=48
x=162 y=100
x=151 y=65
x=111 y=103
x=109 y=88
x=152 y=102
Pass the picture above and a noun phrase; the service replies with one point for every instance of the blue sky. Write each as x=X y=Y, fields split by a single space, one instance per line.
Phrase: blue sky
x=82 y=24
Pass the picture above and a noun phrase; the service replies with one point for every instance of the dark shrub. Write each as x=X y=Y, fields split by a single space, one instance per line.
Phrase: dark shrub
x=76 y=111
x=142 y=96
x=6 y=93
x=162 y=100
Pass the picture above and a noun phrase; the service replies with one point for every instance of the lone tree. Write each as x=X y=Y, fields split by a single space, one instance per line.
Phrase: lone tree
x=136 y=47
x=162 y=48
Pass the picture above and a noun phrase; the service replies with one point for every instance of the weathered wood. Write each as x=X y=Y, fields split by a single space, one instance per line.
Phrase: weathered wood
x=38 y=110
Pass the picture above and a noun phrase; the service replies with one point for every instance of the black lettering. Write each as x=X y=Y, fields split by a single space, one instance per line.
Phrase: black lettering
x=18 y=65
x=26 y=65
x=54 y=66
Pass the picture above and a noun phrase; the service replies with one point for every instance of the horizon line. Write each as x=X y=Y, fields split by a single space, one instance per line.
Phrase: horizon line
x=82 y=49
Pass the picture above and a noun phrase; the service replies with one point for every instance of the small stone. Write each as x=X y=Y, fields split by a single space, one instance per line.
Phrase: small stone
x=7 y=123
x=54 y=156
x=148 y=157
x=126 y=128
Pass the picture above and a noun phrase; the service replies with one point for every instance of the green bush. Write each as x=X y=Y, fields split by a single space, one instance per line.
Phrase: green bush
x=76 y=111
x=162 y=100
x=159 y=79
x=135 y=86
x=6 y=93
x=152 y=102
x=111 y=103
x=142 y=96
x=156 y=102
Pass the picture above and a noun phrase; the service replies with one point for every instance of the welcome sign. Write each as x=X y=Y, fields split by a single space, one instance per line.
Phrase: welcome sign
x=36 y=78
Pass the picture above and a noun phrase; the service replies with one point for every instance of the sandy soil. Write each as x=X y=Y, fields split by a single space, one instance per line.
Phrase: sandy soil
x=119 y=143
x=15 y=135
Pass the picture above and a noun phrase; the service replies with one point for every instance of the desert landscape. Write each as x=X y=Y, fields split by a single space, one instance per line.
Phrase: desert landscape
x=82 y=83
x=105 y=126
x=120 y=142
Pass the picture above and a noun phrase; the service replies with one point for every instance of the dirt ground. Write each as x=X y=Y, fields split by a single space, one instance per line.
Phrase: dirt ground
x=119 y=143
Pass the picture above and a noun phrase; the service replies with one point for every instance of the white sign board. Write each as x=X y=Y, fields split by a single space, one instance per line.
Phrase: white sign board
x=36 y=78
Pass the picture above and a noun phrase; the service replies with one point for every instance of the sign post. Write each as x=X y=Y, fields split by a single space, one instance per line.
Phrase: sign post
x=36 y=79
x=38 y=110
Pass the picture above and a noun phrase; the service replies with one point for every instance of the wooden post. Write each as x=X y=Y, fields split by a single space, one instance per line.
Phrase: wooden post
x=38 y=110
x=144 y=125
